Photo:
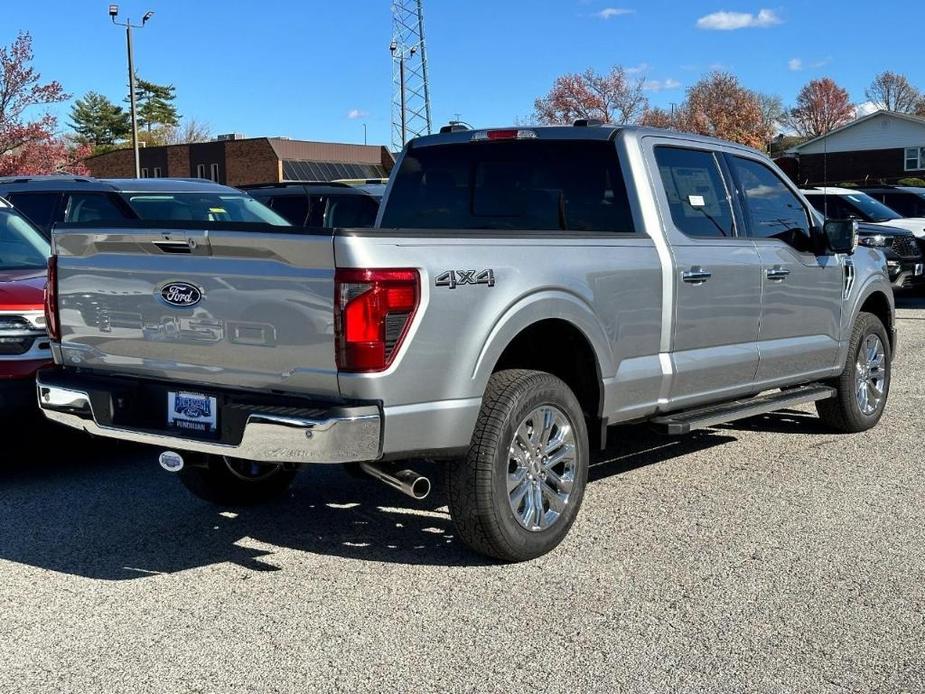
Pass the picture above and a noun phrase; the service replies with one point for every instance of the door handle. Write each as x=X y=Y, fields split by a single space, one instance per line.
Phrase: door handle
x=777 y=273
x=696 y=275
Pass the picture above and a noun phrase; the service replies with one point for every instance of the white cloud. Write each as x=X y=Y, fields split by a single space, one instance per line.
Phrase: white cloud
x=797 y=64
x=355 y=113
x=661 y=85
x=637 y=69
x=611 y=12
x=865 y=109
x=730 y=21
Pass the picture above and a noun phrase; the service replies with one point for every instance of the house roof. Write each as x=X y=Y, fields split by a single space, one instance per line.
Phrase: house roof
x=918 y=120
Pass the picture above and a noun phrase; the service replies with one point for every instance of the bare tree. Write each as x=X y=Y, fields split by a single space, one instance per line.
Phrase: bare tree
x=613 y=97
x=773 y=112
x=893 y=91
x=189 y=131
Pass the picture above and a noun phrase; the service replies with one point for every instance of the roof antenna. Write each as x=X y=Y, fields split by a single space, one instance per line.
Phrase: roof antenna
x=825 y=174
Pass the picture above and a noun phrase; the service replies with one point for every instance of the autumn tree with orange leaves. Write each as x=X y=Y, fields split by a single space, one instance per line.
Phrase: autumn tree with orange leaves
x=821 y=107
x=718 y=106
x=614 y=97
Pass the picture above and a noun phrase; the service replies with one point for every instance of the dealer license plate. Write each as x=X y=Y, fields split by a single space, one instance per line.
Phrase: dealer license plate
x=192 y=412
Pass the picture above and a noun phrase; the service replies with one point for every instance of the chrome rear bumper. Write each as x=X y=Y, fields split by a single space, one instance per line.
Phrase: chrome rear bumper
x=340 y=435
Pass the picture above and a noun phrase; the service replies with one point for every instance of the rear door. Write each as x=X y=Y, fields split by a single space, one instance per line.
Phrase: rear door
x=718 y=281
x=802 y=292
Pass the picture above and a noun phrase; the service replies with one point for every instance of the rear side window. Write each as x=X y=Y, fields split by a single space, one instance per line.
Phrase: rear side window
x=907 y=204
x=512 y=185
x=39 y=208
x=356 y=211
x=696 y=192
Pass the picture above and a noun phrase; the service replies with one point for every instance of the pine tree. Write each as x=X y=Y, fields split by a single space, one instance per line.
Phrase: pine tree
x=99 y=122
x=155 y=105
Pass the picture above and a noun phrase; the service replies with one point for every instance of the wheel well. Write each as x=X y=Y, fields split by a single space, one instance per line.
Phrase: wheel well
x=879 y=305
x=558 y=347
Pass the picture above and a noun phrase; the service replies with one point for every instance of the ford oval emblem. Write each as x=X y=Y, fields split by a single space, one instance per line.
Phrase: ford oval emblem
x=181 y=294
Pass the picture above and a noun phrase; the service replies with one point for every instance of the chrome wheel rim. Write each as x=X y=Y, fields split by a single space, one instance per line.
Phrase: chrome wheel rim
x=870 y=381
x=249 y=471
x=541 y=468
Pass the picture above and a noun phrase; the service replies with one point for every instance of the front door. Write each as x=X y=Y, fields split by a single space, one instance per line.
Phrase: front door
x=802 y=292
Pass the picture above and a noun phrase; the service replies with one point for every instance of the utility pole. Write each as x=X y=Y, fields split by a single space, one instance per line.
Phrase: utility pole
x=411 y=116
x=113 y=13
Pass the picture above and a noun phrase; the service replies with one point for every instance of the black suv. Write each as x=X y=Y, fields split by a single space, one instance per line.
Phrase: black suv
x=47 y=200
x=320 y=203
x=904 y=260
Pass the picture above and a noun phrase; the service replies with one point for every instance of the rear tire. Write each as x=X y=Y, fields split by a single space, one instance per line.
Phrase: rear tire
x=516 y=494
x=864 y=386
x=234 y=482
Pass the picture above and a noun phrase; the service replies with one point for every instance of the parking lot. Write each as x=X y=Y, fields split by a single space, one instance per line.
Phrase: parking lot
x=769 y=555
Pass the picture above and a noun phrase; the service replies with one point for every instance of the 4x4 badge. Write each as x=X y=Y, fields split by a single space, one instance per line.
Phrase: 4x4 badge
x=457 y=278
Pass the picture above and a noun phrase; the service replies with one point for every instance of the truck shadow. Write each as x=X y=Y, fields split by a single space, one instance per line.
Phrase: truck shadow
x=107 y=511
x=908 y=300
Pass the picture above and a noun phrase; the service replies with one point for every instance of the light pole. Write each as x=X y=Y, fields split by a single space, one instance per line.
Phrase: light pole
x=113 y=13
x=364 y=133
x=393 y=48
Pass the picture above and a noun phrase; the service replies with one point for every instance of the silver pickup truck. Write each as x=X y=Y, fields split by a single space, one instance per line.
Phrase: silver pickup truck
x=524 y=289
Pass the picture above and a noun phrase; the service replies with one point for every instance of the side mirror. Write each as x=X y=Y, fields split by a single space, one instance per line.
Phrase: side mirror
x=841 y=235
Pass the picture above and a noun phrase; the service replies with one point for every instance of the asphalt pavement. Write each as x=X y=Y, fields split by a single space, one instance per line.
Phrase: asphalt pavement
x=770 y=555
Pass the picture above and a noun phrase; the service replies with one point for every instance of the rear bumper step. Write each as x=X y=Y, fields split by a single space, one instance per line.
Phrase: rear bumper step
x=340 y=434
x=679 y=423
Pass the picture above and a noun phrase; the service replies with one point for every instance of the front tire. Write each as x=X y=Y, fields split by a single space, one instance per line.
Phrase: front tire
x=516 y=494
x=864 y=386
x=233 y=482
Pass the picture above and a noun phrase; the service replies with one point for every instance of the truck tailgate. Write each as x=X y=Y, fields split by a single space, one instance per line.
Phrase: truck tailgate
x=226 y=308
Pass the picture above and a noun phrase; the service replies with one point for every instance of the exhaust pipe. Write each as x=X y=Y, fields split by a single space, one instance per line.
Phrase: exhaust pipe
x=406 y=481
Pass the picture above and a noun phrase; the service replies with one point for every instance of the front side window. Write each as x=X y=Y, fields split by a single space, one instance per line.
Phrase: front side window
x=696 y=192
x=22 y=247
x=536 y=185
x=773 y=210
x=202 y=207
x=294 y=208
x=93 y=207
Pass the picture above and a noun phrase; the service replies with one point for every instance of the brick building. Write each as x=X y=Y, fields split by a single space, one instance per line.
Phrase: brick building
x=235 y=161
x=881 y=147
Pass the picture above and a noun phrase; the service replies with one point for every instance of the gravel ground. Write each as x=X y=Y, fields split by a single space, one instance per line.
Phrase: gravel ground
x=767 y=556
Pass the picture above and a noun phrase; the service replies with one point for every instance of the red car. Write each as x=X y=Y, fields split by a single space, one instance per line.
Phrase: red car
x=24 y=343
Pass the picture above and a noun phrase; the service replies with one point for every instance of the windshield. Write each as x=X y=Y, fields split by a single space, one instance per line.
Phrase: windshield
x=202 y=207
x=22 y=247
x=868 y=209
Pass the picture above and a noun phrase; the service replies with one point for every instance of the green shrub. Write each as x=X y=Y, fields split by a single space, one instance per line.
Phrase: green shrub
x=912 y=182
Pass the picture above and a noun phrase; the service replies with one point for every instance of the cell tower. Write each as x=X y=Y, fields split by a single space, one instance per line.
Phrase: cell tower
x=411 y=90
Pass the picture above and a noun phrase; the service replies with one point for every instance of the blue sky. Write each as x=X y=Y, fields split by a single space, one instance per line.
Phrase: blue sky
x=299 y=67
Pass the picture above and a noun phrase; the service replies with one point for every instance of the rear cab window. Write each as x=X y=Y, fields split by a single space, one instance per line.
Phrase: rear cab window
x=522 y=185
x=39 y=208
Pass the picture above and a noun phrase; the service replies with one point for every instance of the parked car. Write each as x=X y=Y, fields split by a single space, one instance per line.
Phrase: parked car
x=321 y=204
x=50 y=200
x=24 y=343
x=850 y=203
x=904 y=258
x=909 y=201
x=524 y=290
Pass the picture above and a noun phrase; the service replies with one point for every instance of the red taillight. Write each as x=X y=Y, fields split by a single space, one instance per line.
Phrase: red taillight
x=52 y=322
x=372 y=312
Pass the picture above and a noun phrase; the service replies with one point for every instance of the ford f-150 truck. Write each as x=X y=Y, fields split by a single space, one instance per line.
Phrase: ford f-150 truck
x=523 y=290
